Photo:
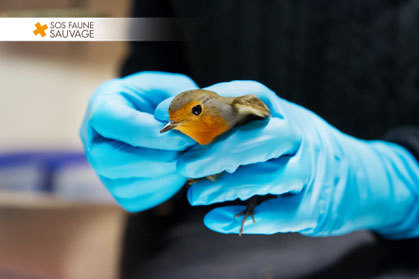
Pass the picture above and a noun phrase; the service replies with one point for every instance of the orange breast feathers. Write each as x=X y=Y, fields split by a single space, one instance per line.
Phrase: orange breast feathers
x=202 y=129
x=205 y=130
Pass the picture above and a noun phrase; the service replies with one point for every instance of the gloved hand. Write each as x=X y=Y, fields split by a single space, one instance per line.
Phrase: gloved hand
x=122 y=141
x=334 y=183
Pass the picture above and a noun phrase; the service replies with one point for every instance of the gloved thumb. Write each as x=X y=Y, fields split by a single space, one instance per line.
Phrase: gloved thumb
x=161 y=112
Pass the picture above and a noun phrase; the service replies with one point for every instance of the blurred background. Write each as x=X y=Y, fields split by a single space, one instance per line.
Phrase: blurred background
x=56 y=219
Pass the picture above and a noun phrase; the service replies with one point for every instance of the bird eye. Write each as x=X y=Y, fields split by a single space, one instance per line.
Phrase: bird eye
x=197 y=110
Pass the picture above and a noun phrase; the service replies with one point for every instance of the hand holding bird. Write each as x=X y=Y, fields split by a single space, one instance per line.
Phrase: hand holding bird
x=324 y=181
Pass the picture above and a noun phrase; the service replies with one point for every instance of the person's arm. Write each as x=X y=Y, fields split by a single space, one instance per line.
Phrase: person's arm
x=408 y=137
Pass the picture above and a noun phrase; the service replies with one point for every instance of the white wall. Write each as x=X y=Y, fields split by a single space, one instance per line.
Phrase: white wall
x=44 y=89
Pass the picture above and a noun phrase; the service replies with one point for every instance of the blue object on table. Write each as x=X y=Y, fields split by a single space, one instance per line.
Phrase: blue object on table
x=66 y=174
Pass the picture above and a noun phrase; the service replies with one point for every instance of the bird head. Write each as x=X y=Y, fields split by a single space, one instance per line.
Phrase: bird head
x=199 y=114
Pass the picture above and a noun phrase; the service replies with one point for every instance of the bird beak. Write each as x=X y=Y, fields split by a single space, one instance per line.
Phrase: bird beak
x=169 y=126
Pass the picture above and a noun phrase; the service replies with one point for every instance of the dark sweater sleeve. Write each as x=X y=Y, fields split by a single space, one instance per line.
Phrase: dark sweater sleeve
x=408 y=137
x=155 y=56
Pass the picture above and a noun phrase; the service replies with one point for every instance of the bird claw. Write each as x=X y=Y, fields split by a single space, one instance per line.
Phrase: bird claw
x=250 y=210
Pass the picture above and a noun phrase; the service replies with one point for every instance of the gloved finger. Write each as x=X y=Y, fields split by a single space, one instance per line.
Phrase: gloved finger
x=115 y=159
x=162 y=110
x=252 y=143
x=115 y=117
x=136 y=194
x=244 y=87
x=283 y=175
x=158 y=85
x=282 y=214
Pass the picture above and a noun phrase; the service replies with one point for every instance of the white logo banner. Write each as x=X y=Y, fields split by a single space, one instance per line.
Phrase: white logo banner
x=89 y=29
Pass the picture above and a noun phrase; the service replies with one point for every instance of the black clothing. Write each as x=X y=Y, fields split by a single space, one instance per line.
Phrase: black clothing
x=355 y=63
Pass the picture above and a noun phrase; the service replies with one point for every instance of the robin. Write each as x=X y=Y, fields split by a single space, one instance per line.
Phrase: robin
x=203 y=115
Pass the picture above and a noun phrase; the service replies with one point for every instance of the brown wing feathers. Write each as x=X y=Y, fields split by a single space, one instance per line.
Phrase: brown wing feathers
x=249 y=107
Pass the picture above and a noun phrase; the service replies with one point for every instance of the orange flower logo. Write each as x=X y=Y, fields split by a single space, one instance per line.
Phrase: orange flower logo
x=40 y=29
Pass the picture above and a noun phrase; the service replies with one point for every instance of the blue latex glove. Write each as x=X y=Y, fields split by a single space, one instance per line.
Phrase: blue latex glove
x=335 y=183
x=123 y=143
